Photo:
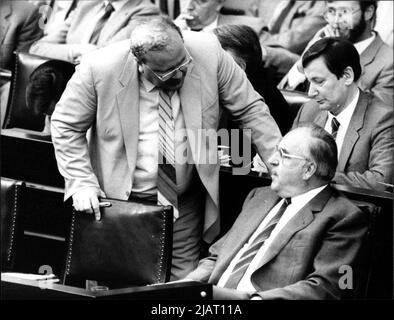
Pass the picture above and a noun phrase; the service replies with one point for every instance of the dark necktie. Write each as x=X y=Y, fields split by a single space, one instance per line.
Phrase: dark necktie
x=334 y=127
x=167 y=192
x=249 y=254
x=100 y=24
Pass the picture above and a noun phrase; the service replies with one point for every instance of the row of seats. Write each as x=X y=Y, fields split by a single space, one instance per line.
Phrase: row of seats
x=42 y=234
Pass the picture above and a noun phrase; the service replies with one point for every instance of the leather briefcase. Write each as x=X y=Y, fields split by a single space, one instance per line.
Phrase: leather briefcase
x=131 y=244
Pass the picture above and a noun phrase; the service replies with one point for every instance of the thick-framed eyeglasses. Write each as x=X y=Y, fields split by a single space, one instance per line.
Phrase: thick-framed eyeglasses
x=168 y=75
x=332 y=13
x=284 y=155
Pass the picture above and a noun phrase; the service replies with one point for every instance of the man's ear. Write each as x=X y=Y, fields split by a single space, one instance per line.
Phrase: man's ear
x=309 y=170
x=369 y=13
x=348 y=75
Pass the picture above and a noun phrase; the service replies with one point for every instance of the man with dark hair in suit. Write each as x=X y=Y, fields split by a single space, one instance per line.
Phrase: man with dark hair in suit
x=291 y=239
x=354 y=20
x=361 y=124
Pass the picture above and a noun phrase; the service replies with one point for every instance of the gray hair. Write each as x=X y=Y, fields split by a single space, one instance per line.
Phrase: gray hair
x=323 y=150
x=151 y=34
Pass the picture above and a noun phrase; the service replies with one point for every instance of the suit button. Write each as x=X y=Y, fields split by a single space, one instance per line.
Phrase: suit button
x=127 y=194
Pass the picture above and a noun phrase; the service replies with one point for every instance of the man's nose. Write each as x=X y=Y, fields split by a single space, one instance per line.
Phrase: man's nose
x=190 y=5
x=312 y=92
x=273 y=159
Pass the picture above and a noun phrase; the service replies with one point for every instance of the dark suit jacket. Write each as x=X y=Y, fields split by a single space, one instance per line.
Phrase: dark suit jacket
x=366 y=158
x=304 y=260
x=18 y=29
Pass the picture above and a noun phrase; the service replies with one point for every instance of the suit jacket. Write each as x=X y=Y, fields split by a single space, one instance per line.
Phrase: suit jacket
x=284 y=46
x=304 y=259
x=103 y=95
x=256 y=24
x=19 y=29
x=298 y=27
x=367 y=152
x=59 y=43
x=377 y=70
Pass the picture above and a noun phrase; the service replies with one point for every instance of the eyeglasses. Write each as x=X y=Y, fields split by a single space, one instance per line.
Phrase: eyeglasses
x=172 y=73
x=284 y=155
x=332 y=13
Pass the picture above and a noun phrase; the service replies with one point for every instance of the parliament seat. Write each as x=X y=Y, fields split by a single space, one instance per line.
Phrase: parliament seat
x=12 y=200
x=17 y=113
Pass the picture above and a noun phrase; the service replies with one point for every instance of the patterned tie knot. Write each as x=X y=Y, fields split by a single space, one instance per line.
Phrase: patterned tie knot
x=334 y=127
x=109 y=8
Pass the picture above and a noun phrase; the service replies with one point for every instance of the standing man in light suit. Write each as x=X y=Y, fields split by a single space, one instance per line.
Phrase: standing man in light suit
x=118 y=93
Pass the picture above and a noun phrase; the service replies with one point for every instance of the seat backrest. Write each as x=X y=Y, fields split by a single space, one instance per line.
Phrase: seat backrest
x=131 y=244
x=366 y=262
x=17 y=114
x=12 y=193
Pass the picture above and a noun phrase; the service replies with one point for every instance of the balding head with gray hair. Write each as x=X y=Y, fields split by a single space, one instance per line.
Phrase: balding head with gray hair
x=154 y=33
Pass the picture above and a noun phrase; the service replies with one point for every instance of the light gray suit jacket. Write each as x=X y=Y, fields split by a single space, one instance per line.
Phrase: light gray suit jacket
x=367 y=155
x=304 y=260
x=59 y=43
x=377 y=70
x=103 y=95
x=19 y=28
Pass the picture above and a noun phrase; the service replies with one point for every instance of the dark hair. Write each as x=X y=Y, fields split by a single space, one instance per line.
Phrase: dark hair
x=46 y=85
x=337 y=53
x=323 y=151
x=243 y=41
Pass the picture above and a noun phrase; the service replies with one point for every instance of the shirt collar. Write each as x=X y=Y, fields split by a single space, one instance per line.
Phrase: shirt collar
x=149 y=86
x=345 y=115
x=364 y=44
x=304 y=198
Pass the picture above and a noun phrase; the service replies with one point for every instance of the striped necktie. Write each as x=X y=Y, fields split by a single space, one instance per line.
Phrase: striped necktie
x=100 y=24
x=249 y=254
x=334 y=127
x=167 y=193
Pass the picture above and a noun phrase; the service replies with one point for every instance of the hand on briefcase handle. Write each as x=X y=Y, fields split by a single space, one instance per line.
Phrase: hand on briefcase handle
x=131 y=244
x=87 y=200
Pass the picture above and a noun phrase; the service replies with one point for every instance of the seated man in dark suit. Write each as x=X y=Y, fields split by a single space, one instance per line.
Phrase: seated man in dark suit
x=361 y=124
x=290 y=240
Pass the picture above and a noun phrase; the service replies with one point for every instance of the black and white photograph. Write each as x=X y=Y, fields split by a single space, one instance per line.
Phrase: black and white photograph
x=209 y=152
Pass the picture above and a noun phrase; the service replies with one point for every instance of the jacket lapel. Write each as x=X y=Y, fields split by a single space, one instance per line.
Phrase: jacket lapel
x=369 y=54
x=302 y=219
x=352 y=135
x=243 y=229
x=5 y=13
x=321 y=119
x=127 y=100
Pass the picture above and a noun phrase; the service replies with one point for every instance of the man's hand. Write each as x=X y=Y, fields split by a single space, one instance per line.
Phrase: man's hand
x=229 y=294
x=87 y=200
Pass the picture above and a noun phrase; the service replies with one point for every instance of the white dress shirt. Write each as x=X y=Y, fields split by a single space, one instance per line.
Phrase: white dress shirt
x=146 y=170
x=344 y=119
x=297 y=203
